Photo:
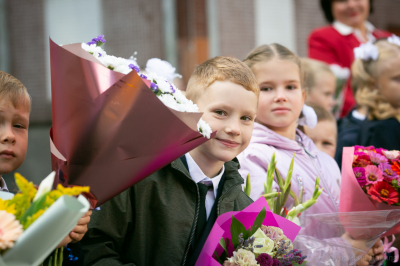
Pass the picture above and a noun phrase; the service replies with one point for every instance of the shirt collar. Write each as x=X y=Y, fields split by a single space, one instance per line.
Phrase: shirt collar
x=197 y=174
x=3 y=185
x=347 y=30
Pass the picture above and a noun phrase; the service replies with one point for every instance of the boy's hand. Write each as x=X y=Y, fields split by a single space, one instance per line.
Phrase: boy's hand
x=78 y=232
x=376 y=253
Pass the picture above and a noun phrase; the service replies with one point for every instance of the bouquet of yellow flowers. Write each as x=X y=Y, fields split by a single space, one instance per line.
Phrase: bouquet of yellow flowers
x=34 y=221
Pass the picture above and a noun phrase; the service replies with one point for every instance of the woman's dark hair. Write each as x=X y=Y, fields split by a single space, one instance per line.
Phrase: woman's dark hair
x=326 y=6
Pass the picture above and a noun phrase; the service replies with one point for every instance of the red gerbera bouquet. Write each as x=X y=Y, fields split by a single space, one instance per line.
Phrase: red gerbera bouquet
x=378 y=172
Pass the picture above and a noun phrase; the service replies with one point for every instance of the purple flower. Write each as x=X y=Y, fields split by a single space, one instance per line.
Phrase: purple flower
x=100 y=55
x=359 y=172
x=172 y=88
x=264 y=260
x=154 y=87
x=132 y=66
x=377 y=158
x=143 y=76
x=387 y=171
x=99 y=40
x=276 y=262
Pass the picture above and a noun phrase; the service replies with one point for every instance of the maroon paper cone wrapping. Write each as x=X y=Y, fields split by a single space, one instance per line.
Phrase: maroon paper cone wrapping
x=109 y=129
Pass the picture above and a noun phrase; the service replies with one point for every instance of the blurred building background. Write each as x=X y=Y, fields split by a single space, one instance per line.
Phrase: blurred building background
x=183 y=32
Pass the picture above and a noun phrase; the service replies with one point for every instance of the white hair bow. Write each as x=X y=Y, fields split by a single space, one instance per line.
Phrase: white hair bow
x=366 y=51
x=394 y=39
x=309 y=117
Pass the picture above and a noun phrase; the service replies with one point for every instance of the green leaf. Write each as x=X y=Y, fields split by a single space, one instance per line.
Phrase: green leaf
x=258 y=221
x=236 y=229
x=294 y=197
x=280 y=179
x=222 y=243
x=286 y=195
x=278 y=205
x=270 y=174
x=247 y=188
x=289 y=174
x=34 y=208
x=296 y=264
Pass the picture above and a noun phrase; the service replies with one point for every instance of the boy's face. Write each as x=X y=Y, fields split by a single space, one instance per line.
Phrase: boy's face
x=14 y=124
x=230 y=110
x=324 y=136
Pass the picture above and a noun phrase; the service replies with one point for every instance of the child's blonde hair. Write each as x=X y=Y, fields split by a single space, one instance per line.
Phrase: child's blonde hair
x=268 y=52
x=220 y=69
x=311 y=69
x=14 y=90
x=365 y=85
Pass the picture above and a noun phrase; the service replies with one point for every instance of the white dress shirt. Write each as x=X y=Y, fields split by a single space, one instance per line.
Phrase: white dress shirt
x=3 y=186
x=347 y=30
x=198 y=176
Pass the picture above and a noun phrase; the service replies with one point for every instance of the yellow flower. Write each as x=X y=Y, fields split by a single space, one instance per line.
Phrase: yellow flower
x=72 y=191
x=33 y=218
x=6 y=206
x=24 y=186
x=21 y=202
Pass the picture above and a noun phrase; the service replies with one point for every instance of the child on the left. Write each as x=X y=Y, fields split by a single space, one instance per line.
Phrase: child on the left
x=15 y=106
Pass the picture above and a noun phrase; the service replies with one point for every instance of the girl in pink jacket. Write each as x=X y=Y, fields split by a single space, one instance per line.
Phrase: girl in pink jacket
x=279 y=75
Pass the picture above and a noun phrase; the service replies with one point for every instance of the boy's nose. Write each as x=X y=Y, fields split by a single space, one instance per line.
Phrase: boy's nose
x=7 y=136
x=233 y=128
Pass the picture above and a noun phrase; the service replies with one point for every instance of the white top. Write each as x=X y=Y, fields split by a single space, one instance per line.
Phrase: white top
x=3 y=186
x=198 y=176
x=357 y=115
x=347 y=30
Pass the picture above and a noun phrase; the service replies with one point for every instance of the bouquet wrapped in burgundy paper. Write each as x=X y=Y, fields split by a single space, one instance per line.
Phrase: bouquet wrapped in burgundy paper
x=111 y=127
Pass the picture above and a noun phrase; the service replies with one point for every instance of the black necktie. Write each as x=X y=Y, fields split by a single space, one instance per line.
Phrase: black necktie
x=202 y=219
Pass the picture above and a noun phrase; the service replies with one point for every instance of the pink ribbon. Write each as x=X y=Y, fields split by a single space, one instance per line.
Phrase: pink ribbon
x=387 y=248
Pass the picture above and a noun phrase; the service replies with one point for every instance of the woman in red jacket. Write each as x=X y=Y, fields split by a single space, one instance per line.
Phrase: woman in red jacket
x=349 y=28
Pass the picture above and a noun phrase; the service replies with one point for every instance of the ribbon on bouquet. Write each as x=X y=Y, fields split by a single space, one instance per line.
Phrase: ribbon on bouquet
x=387 y=248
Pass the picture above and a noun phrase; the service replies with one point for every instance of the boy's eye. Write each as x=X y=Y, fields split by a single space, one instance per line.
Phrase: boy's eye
x=246 y=118
x=219 y=112
x=266 y=89
x=19 y=126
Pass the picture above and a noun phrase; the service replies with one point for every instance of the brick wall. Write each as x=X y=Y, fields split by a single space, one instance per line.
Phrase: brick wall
x=134 y=25
x=236 y=27
x=27 y=53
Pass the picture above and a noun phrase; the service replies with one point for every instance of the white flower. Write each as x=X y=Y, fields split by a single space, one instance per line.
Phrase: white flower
x=45 y=186
x=394 y=39
x=242 y=257
x=161 y=68
x=366 y=51
x=295 y=220
x=391 y=154
x=340 y=72
x=118 y=64
x=204 y=128
x=95 y=50
x=266 y=243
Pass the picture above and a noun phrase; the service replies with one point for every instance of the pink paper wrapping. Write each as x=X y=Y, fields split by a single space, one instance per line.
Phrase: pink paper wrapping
x=222 y=227
x=353 y=198
x=109 y=129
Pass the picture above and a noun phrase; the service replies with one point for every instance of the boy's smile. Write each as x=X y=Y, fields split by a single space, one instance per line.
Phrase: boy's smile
x=230 y=110
x=13 y=135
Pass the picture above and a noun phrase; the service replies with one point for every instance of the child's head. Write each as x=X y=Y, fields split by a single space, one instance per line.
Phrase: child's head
x=319 y=83
x=226 y=91
x=279 y=75
x=15 y=106
x=376 y=83
x=324 y=134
